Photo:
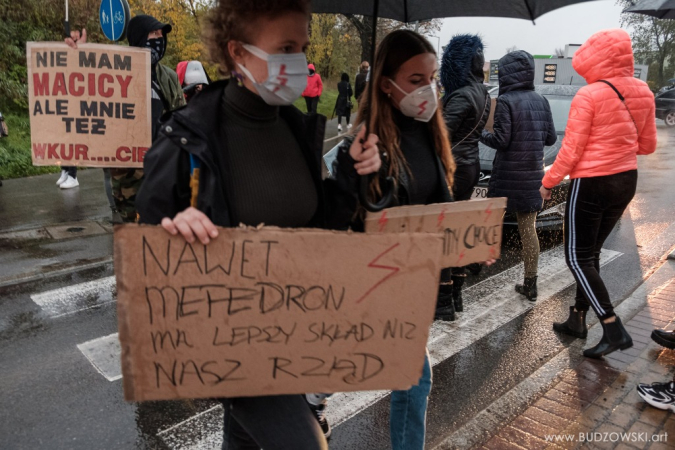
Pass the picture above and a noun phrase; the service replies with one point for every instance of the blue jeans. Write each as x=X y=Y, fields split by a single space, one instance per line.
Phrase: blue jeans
x=407 y=419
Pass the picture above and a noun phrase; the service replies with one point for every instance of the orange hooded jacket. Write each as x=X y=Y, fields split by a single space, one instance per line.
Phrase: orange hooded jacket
x=601 y=138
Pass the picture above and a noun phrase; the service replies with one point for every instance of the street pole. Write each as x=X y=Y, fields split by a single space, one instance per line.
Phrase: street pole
x=438 y=45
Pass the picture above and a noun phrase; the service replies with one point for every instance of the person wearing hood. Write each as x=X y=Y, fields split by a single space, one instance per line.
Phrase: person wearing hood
x=523 y=125
x=192 y=78
x=313 y=90
x=611 y=122
x=466 y=108
x=143 y=31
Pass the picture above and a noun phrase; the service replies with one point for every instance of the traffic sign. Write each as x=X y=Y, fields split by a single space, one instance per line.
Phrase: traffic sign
x=114 y=16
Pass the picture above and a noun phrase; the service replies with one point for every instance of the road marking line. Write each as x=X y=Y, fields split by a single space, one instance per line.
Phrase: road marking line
x=76 y=298
x=104 y=354
x=497 y=304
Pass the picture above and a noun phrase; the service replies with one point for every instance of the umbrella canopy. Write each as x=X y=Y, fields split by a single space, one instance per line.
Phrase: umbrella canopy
x=414 y=10
x=662 y=9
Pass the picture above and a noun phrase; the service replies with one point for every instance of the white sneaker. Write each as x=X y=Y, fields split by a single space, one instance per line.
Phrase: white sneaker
x=62 y=178
x=339 y=128
x=349 y=126
x=70 y=183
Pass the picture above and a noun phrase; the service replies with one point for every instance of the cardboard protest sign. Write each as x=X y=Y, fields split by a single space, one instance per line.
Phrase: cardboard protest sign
x=271 y=311
x=472 y=230
x=88 y=107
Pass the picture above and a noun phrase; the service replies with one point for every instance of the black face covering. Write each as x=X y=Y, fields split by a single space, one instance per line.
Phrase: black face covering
x=157 y=48
x=311 y=72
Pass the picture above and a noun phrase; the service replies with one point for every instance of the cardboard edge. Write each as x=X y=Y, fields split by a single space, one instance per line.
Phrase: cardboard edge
x=123 y=318
x=457 y=207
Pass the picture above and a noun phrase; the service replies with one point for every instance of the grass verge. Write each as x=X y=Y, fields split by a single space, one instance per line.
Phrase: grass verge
x=326 y=102
x=15 y=156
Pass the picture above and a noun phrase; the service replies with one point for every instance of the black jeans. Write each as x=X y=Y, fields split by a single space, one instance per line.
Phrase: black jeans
x=275 y=422
x=594 y=206
x=71 y=170
x=466 y=178
x=312 y=104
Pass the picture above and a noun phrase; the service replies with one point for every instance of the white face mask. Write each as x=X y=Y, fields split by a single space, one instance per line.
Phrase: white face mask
x=286 y=76
x=419 y=104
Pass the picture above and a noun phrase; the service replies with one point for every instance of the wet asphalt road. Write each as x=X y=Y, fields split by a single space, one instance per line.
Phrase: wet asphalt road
x=53 y=398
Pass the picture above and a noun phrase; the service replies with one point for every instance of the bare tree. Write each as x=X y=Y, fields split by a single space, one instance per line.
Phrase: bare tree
x=364 y=27
x=513 y=48
x=560 y=52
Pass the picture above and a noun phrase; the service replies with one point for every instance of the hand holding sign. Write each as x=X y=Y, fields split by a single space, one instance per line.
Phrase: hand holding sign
x=76 y=38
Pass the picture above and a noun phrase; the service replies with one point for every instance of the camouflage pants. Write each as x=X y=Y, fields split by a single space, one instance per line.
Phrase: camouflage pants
x=125 y=186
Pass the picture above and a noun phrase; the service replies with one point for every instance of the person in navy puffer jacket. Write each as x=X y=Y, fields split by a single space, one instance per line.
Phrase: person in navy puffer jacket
x=523 y=125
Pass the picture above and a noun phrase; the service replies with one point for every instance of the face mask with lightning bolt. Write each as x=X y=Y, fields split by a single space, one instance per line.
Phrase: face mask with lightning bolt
x=286 y=76
x=419 y=104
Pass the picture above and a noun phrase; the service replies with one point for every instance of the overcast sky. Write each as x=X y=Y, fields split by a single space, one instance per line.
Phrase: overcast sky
x=570 y=25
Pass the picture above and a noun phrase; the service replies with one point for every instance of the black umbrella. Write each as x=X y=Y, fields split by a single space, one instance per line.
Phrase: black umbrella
x=418 y=10
x=662 y=9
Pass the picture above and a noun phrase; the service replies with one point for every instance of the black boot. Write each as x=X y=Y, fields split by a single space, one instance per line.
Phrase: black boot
x=528 y=288
x=575 y=325
x=614 y=337
x=445 y=308
x=457 y=283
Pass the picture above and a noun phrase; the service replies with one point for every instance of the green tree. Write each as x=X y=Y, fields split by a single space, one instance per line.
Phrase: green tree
x=653 y=43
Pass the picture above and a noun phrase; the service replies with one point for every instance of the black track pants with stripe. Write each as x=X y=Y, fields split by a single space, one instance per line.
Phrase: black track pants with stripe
x=594 y=206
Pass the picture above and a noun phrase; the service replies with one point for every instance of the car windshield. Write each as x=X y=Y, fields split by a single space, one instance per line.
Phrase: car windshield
x=560 y=108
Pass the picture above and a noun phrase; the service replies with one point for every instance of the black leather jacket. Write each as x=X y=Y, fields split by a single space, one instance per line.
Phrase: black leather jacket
x=195 y=130
x=466 y=111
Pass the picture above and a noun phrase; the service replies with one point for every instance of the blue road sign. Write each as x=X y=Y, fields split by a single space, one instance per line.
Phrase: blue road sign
x=114 y=16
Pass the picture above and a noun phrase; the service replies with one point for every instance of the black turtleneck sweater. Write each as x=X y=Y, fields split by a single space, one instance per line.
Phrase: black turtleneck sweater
x=419 y=151
x=272 y=182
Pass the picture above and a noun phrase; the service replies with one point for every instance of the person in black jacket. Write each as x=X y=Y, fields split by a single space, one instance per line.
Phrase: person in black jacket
x=361 y=80
x=343 y=104
x=523 y=125
x=466 y=108
x=411 y=131
x=259 y=161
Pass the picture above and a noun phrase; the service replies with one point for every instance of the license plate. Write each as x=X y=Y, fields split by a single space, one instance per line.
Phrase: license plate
x=479 y=192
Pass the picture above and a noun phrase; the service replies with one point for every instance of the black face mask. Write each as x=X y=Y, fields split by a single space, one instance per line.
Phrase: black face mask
x=311 y=72
x=157 y=49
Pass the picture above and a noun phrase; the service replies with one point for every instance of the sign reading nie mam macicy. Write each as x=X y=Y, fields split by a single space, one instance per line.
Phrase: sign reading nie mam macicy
x=90 y=106
x=272 y=311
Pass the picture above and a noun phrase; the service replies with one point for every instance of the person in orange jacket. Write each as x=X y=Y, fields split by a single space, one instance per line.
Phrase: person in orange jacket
x=611 y=121
x=313 y=90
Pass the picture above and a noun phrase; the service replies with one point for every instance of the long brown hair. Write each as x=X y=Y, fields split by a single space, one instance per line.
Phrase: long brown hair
x=394 y=50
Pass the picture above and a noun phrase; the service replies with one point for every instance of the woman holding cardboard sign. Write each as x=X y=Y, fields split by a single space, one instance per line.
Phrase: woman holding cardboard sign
x=240 y=152
x=405 y=116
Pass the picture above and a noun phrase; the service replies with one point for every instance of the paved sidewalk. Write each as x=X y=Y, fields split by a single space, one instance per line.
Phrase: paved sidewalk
x=600 y=396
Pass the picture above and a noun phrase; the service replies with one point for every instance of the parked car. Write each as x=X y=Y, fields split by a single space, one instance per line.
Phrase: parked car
x=665 y=106
x=552 y=216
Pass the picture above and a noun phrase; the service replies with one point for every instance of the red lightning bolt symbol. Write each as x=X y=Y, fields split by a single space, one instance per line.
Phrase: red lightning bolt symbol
x=488 y=212
x=373 y=264
x=383 y=221
x=282 y=80
x=422 y=107
x=461 y=256
x=441 y=218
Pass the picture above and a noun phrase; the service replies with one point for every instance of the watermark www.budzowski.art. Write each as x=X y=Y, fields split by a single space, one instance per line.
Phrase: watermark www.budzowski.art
x=607 y=437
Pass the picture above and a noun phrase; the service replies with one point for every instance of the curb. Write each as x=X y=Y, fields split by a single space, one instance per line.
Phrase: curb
x=30 y=278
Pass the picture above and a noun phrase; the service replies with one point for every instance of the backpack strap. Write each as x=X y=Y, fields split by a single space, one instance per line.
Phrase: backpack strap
x=623 y=100
x=195 y=165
